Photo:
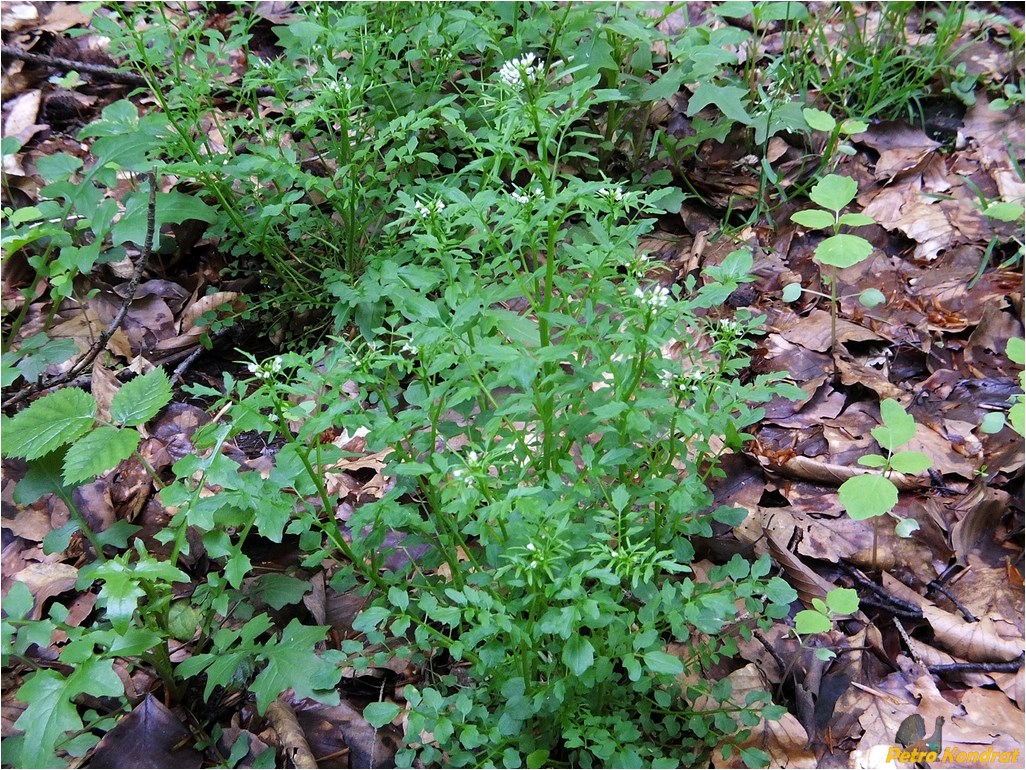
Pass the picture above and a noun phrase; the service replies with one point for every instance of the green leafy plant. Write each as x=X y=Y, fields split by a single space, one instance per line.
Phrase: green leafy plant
x=872 y=495
x=1015 y=349
x=820 y=619
x=839 y=250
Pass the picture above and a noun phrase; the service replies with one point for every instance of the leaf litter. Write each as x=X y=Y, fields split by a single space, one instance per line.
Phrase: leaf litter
x=951 y=593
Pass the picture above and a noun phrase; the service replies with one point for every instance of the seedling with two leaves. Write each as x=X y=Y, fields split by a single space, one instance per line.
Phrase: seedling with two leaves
x=872 y=495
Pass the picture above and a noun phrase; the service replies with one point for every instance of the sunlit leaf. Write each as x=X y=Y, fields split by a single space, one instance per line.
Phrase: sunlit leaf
x=865 y=497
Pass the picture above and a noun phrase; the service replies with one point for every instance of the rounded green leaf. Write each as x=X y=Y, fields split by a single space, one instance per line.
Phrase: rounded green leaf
x=843 y=601
x=833 y=192
x=854 y=219
x=898 y=425
x=814 y=219
x=843 y=250
x=663 y=663
x=854 y=126
x=811 y=622
x=866 y=497
x=1017 y=417
x=1015 y=349
x=819 y=120
x=910 y=462
x=872 y=298
x=906 y=527
x=578 y=655
x=50 y=422
x=1004 y=211
x=993 y=422
x=791 y=292
x=379 y=713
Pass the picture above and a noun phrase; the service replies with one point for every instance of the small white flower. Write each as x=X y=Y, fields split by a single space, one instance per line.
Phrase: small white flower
x=519 y=72
x=530 y=547
x=658 y=297
x=426 y=210
x=520 y=197
x=533 y=565
x=616 y=194
x=408 y=348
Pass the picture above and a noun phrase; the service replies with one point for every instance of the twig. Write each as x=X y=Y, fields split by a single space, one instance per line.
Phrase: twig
x=108 y=73
x=111 y=74
x=977 y=668
x=965 y=612
x=901 y=606
x=101 y=342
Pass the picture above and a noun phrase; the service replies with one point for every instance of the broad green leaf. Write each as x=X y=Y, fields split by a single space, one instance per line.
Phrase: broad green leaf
x=729 y=100
x=872 y=298
x=51 y=710
x=1015 y=349
x=292 y=662
x=843 y=250
x=873 y=461
x=140 y=399
x=279 y=590
x=53 y=420
x=578 y=655
x=823 y=654
x=1017 y=417
x=906 y=527
x=791 y=292
x=993 y=422
x=780 y=11
x=853 y=219
x=833 y=192
x=899 y=427
x=819 y=120
x=620 y=498
x=734 y=9
x=811 y=622
x=853 y=126
x=97 y=452
x=865 y=497
x=843 y=601
x=379 y=713
x=659 y=662
x=814 y=219
x=1004 y=211
x=910 y=462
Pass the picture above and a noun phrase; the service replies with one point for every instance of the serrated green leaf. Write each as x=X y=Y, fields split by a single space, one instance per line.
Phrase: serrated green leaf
x=899 y=427
x=791 y=292
x=865 y=497
x=833 y=192
x=910 y=462
x=578 y=655
x=659 y=662
x=50 y=422
x=819 y=120
x=814 y=219
x=843 y=250
x=379 y=713
x=843 y=601
x=906 y=527
x=98 y=452
x=811 y=622
x=140 y=399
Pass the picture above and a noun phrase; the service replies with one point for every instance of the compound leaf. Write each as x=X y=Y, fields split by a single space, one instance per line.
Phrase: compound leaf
x=98 y=452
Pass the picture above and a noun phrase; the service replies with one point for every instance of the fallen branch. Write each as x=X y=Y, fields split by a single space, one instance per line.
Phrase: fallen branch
x=101 y=342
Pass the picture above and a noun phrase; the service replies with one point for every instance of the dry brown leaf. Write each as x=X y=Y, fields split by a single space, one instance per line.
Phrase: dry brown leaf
x=22 y=112
x=209 y=304
x=46 y=580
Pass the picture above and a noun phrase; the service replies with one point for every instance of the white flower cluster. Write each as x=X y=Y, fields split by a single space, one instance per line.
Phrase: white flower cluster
x=519 y=72
x=426 y=210
x=729 y=328
x=658 y=297
x=338 y=88
x=615 y=194
x=266 y=370
x=521 y=196
x=466 y=474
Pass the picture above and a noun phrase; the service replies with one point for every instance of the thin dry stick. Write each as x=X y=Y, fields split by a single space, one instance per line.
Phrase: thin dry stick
x=101 y=342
